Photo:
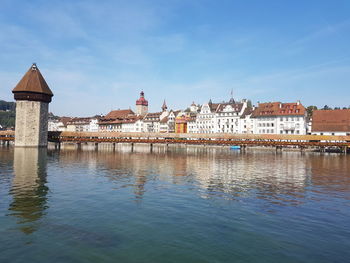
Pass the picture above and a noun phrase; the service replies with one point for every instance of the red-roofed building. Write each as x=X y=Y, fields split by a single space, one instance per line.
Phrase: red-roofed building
x=113 y=120
x=331 y=122
x=279 y=118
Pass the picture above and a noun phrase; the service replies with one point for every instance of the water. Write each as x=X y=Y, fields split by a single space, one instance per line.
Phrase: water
x=181 y=205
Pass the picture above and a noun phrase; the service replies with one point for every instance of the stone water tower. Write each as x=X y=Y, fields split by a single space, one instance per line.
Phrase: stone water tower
x=32 y=95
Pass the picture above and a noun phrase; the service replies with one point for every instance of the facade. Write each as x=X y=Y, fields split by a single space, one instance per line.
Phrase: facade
x=222 y=117
x=280 y=118
x=132 y=124
x=151 y=122
x=181 y=121
x=206 y=118
x=331 y=122
x=32 y=95
x=228 y=116
x=58 y=124
x=89 y=124
x=112 y=122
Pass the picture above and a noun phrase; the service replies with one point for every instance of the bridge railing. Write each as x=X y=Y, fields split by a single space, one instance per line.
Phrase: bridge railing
x=194 y=138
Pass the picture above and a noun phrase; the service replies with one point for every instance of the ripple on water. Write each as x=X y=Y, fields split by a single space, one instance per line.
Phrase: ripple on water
x=181 y=205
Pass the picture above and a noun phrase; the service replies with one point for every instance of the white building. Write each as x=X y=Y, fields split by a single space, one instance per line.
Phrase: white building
x=206 y=118
x=89 y=124
x=228 y=116
x=279 y=118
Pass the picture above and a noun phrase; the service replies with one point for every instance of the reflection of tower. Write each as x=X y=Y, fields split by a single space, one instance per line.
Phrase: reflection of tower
x=141 y=105
x=32 y=95
x=139 y=188
x=28 y=187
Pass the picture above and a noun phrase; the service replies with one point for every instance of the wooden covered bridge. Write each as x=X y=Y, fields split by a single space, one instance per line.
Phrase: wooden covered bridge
x=319 y=142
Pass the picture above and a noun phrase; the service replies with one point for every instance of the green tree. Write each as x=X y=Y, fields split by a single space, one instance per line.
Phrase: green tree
x=310 y=110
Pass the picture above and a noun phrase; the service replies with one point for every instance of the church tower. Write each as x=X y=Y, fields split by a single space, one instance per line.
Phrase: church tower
x=32 y=95
x=164 y=107
x=141 y=105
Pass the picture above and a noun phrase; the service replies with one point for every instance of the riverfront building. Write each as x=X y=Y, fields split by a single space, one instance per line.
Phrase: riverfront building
x=279 y=118
x=331 y=122
x=232 y=117
x=89 y=124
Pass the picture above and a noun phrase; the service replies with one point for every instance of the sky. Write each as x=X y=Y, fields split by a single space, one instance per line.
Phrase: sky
x=98 y=55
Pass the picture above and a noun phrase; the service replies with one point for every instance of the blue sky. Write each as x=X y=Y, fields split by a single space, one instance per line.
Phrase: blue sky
x=98 y=55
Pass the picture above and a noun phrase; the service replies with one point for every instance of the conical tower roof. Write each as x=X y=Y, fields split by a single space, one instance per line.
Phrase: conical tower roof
x=33 y=86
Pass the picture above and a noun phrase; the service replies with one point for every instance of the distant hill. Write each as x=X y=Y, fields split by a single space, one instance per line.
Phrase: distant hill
x=7 y=114
x=7 y=106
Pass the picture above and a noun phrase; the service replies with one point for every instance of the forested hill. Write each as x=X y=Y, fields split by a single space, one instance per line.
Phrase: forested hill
x=7 y=106
x=7 y=114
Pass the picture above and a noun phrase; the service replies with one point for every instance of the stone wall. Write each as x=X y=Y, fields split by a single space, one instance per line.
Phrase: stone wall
x=31 y=123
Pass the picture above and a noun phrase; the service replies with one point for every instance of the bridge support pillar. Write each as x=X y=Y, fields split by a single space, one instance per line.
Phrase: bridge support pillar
x=344 y=150
x=96 y=146
x=7 y=143
x=243 y=148
x=57 y=146
x=132 y=147
x=79 y=146
x=151 y=147
x=113 y=145
x=278 y=149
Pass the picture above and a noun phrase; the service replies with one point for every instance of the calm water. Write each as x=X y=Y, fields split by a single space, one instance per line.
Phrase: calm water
x=183 y=205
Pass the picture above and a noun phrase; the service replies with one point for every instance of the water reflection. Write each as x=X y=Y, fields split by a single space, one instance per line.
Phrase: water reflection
x=28 y=187
x=281 y=179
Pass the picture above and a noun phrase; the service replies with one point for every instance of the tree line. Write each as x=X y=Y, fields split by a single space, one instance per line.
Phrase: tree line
x=7 y=114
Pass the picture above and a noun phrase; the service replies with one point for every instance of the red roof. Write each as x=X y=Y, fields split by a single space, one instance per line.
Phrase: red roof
x=236 y=106
x=279 y=109
x=142 y=101
x=65 y=120
x=331 y=120
x=119 y=114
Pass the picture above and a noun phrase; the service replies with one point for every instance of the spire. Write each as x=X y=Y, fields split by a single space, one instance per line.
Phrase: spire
x=232 y=101
x=164 y=107
x=210 y=102
x=32 y=86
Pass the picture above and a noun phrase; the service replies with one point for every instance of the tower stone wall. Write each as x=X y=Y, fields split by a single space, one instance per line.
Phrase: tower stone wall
x=141 y=110
x=141 y=105
x=32 y=95
x=31 y=123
